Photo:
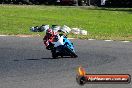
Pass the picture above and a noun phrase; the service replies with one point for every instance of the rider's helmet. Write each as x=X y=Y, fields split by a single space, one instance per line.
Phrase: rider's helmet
x=49 y=32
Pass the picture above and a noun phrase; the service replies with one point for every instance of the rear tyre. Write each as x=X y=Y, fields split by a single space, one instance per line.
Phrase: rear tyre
x=54 y=54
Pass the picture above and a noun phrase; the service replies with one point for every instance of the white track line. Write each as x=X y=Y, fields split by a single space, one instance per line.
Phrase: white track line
x=71 y=38
x=125 y=41
x=108 y=40
x=3 y=35
x=91 y=39
x=25 y=36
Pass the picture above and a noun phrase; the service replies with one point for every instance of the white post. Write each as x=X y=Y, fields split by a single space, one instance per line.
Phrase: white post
x=76 y=2
x=103 y=2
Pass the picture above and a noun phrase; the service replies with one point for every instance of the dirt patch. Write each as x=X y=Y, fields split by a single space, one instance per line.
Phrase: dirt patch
x=28 y=35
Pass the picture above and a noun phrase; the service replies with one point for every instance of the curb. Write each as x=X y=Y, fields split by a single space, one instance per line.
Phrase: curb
x=91 y=39
x=110 y=40
x=3 y=35
x=27 y=36
x=125 y=41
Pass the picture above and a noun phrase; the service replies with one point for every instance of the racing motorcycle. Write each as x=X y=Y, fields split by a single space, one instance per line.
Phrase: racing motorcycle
x=61 y=46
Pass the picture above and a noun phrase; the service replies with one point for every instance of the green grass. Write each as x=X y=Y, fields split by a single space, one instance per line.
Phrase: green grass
x=101 y=23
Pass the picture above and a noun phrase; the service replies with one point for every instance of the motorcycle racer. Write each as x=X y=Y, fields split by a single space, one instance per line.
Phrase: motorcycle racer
x=58 y=43
x=49 y=37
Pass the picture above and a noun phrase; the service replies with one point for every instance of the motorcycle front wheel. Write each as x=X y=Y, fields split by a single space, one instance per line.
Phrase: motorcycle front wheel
x=70 y=52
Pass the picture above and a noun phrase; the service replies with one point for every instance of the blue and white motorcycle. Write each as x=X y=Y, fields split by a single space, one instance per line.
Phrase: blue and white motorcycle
x=62 y=47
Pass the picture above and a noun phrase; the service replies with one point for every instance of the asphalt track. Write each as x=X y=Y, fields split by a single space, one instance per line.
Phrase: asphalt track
x=25 y=63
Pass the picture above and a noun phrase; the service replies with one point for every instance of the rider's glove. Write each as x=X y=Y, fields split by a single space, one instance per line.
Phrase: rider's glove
x=48 y=47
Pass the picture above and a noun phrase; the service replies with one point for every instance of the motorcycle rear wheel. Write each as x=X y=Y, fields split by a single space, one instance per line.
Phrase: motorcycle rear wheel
x=54 y=54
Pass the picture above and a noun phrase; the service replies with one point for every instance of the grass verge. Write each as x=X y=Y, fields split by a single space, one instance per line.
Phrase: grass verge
x=101 y=23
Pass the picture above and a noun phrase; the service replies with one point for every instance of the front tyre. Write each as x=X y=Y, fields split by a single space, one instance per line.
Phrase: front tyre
x=71 y=53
